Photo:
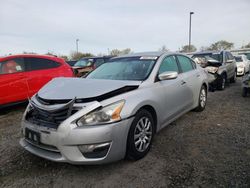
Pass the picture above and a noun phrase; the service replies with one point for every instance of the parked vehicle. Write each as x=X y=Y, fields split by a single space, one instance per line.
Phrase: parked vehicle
x=71 y=63
x=221 y=67
x=246 y=54
x=21 y=76
x=242 y=64
x=246 y=85
x=87 y=64
x=115 y=111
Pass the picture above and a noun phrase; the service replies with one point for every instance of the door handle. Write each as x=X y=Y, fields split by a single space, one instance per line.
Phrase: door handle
x=183 y=82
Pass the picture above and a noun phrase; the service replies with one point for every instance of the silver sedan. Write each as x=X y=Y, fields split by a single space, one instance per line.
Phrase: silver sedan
x=115 y=111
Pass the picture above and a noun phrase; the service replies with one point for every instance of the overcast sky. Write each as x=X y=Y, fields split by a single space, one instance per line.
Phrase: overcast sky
x=142 y=25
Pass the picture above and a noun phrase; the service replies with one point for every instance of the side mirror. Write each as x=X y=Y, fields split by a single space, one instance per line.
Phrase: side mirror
x=168 y=75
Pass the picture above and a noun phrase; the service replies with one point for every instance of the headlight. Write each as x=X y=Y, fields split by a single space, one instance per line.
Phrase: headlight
x=107 y=114
x=212 y=69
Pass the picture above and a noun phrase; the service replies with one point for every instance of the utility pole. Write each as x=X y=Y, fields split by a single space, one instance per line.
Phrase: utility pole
x=190 y=21
x=77 y=40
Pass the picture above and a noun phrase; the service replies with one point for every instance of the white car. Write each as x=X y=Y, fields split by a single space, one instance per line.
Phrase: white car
x=242 y=64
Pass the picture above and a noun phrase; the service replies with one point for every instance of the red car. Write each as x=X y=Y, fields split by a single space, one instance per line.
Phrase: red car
x=21 y=76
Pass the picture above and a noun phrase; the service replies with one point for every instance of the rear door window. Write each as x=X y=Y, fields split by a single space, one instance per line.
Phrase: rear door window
x=34 y=63
x=12 y=66
x=185 y=63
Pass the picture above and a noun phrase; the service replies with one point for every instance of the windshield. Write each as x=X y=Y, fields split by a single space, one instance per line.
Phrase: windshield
x=83 y=63
x=209 y=57
x=248 y=55
x=238 y=59
x=133 y=68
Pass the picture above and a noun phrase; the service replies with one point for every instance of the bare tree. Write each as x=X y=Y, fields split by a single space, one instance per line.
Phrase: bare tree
x=186 y=49
x=163 y=49
x=116 y=52
x=221 y=45
x=79 y=55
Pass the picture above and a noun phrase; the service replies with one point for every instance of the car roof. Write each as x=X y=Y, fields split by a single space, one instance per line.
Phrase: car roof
x=98 y=57
x=28 y=55
x=154 y=54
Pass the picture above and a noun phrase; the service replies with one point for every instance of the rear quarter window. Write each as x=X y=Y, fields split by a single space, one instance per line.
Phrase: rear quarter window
x=40 y=64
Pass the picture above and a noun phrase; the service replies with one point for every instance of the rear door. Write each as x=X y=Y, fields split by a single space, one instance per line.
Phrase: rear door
x=40 y=71
x=13 y=83
x=192 y=78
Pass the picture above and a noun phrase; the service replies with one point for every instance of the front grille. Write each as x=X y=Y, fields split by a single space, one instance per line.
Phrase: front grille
x=50 y=119
x=43 y=146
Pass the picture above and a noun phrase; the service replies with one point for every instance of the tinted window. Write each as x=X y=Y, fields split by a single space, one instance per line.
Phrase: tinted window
x=231 y=57
x=98 y=62
x=168 y=64
x=185 y=63
x=12 y=66
x=238 y=59
x=39 y=63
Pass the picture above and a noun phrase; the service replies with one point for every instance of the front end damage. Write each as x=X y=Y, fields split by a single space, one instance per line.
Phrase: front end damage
x=51 y=130
x=212 y=68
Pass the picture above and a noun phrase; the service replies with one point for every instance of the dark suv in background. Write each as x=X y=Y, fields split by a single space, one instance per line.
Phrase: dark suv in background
x=87 y=64
x=221 y=66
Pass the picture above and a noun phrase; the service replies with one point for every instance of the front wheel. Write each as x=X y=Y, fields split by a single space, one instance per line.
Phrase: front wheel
x=233 y=79
x=222 y=82
x=140 y=135
x=202 y=99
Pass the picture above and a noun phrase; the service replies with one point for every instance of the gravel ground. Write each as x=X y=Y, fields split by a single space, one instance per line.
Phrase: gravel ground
x=207 y=149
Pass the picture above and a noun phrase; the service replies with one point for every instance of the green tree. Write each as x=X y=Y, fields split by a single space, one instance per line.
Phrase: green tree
x=221 y=45
x=186 y=49
x=79 y=55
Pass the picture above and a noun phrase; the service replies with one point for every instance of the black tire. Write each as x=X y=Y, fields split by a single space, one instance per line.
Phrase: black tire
x=132 y=150
x=201 y=106
x=244 y=92
x=222 y=82
x=233 y=79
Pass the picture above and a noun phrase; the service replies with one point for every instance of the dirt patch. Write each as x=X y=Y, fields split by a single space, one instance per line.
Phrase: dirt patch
x=208 y=149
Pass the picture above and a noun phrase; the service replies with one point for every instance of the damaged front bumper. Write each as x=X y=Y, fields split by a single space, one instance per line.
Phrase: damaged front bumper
x=65 y=141
x=78 y=145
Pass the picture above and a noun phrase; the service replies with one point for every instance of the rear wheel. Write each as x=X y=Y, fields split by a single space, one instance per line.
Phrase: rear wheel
x=202 y=99
x=140 y=135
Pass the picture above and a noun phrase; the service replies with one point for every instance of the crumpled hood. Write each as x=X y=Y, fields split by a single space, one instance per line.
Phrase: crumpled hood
x=82 y=88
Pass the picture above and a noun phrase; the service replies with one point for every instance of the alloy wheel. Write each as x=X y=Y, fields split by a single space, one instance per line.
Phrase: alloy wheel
x=143 y=134
x=203 y=98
